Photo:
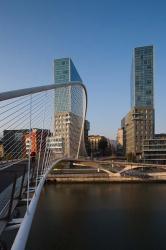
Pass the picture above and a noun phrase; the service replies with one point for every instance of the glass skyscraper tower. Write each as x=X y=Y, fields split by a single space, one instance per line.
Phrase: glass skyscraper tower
x=68 y=107
x=142 y=77
x=65 y=72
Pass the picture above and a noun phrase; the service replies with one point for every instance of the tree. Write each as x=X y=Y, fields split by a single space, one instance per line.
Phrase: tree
x=103 y=146
x=131 y=157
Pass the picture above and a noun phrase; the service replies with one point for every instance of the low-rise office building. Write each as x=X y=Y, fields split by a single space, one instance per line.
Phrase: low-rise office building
x=154 y=150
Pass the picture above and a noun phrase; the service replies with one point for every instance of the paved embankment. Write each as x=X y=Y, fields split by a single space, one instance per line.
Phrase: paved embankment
x=71 y=178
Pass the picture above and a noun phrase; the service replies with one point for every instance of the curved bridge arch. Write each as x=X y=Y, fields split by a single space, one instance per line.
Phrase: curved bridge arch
x=22 y=235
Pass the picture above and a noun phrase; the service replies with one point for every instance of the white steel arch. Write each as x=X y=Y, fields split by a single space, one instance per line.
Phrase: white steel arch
x=48 y=160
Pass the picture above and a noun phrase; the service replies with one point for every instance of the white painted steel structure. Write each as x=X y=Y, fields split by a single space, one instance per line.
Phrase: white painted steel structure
x=26 y=121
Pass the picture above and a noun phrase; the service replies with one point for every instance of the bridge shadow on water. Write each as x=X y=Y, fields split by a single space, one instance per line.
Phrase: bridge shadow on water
x=100 y=216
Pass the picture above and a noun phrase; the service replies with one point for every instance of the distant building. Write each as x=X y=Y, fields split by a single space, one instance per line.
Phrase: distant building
x=124 y=134
x=65 y=71
x=120 y=137
x=14 y=143
x=18 y=143
x=97 y=144
x=1 y=150
x=138 y=124
x=154 y=150
x=160 y=136
x=68 y=127
x=68 y=107
x=94 y=142
x=120 y=141
x=33 y=140
x=142 y=80
x=56 y=144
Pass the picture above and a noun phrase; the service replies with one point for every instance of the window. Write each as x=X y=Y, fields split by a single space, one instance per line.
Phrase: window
x=148 y=102
x=148 y=92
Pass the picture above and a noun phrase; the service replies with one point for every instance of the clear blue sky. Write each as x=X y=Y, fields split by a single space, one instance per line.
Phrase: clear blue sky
x=99 y=36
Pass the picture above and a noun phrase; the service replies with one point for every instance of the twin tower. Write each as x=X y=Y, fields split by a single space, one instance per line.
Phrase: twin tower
x=138 y=125
x=69 y=110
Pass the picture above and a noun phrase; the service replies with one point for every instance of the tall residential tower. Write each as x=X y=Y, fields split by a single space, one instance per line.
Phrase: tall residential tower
x=142 y=78
x=139 y=122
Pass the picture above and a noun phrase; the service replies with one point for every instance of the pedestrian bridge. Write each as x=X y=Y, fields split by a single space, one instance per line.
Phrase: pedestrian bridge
x=39 y=127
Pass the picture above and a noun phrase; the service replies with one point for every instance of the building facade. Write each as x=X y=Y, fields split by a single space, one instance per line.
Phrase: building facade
x=139 y=123
x=142 y=78
x=94 y=142
x=18 y=143
x=65 y=71
x=120 y=141
x=65 y=98
x=33 y=140
x=154 y=150
x=139 y=126
x=69 y=107
x=97 y=143
x=56 y=144
x=68 y=126
x=14 y=143
x=1 y=150
x=120 y=137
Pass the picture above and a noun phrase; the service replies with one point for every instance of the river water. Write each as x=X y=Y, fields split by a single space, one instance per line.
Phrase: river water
x=100 y=216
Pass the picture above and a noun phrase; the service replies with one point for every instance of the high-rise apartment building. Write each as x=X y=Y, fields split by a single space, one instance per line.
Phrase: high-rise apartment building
x=68 y=106
x=65 y=71
x=139 y=122
x=142 y=77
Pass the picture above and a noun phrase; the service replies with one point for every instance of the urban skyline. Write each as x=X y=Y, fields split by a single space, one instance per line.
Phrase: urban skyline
x=102 y=57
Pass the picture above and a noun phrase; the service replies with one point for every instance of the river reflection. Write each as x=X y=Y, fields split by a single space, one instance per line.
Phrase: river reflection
x=100 y=216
